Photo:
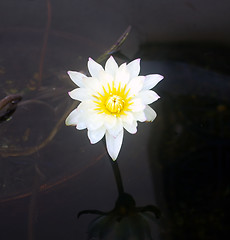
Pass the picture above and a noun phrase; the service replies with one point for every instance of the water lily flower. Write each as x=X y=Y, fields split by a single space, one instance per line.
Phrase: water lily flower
x=112 y=99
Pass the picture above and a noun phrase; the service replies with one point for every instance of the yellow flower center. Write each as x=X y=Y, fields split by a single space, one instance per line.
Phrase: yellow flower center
x=114 y=104
x=113 y=101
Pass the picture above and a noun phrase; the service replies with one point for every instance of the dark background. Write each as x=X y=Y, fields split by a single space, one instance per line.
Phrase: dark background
x=180 y=162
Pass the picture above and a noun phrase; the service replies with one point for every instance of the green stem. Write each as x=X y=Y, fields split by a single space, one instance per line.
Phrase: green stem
x=117 y=175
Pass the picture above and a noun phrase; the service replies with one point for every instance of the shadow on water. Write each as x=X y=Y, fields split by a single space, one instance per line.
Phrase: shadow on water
x=189 y=144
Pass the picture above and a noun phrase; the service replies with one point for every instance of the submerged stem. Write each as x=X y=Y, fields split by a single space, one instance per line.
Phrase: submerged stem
x=30 y=150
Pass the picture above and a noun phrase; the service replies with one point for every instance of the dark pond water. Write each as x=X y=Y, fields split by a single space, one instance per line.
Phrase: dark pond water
x=176 y=169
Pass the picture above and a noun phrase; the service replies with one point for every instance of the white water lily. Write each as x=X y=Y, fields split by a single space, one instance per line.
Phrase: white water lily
x=112 y=99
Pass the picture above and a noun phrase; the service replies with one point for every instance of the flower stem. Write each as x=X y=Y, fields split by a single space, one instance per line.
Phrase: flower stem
x=117 y=175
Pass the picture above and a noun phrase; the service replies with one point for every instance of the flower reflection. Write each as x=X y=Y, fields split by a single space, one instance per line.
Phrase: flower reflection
x=112 y=100
x=125 y=220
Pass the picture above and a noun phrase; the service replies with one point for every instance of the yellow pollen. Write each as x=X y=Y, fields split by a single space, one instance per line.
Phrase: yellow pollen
x=113 y=100
x=114 y=104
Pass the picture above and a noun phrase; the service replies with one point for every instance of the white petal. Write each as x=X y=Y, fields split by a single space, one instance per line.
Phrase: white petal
x=87 y=106
x=140 y=116
x=150 y=114
x=109 y=121
x=80 y=94
x=106 y=80
x=72 y=118
x=137 y=105
x=127 y=118
x=91 y=82
x=94 y=68
x=116 y=129
x=96 y=135
x=94 y=120
x=113 y=144
x=131 y=128
x=122 y=76
x=81 y=125
x=77 y=78
x=135 y=86
x=148 y=96
x=134 y=68
x=77 y=118
x=151 y=81
x=111 y=66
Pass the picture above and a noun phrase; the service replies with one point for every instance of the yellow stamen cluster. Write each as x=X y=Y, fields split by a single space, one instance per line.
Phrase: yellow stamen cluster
x=114 y=104
x=113 y=100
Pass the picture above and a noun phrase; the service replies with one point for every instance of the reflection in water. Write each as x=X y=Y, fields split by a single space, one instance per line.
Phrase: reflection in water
x=125 y=220
x=33 y=107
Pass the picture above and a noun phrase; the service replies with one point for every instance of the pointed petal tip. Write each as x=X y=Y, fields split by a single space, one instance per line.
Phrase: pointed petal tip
x=138 y=60
x=94 y=68
x=114 y=158
x=111 y=58
x=67 y=123
x=70 y=73
x=91 y=59
x=156 y=76
x=161 y=77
